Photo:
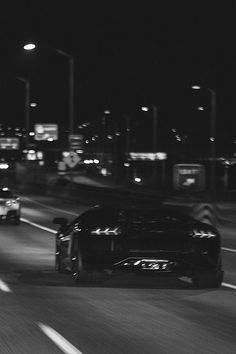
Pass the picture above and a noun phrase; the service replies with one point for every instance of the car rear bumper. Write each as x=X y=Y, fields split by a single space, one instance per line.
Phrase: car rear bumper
x=155 y=263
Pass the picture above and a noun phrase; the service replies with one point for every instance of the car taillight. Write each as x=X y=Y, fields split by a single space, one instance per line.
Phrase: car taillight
x=108 y=231
x=195 y=233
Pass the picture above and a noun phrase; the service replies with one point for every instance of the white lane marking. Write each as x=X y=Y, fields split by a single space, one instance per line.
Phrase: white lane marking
x=60 y=341
x=51 y=208
x=39 y=226
x=4 y=287
x=229 y=286
x=228 y=249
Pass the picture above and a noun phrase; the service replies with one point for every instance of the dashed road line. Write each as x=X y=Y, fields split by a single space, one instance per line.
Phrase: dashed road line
x=38 y=226
x=228 y=249
x=59 y=340
x=50 y=207
x=227 y=285
x=4 y=287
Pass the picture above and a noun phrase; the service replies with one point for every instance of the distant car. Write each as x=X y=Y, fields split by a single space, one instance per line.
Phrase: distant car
x=10 y=206
x=110 y=240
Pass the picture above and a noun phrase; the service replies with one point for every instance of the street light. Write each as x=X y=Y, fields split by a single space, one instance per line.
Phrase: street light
x=154 y=126
x=31 y=46
x=212 y=133
x=27 y=107
x=154 y=133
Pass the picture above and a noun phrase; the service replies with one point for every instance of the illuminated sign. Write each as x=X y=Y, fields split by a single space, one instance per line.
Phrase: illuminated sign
x=9 y=143
x=48 y=132
x=76 y=142
x=147 y=156
x=189 y=176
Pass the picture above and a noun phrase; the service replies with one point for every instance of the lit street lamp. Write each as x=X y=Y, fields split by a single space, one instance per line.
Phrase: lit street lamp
x=31 y=46
x=212 y=134
x=154 y=125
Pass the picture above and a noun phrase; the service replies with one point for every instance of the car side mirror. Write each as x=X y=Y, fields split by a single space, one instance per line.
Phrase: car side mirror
x=60 y=221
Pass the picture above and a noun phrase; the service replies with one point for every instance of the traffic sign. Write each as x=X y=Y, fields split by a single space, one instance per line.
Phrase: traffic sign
x=76 y=142
x=189 y=176
x=44 y=131
x=72 y=159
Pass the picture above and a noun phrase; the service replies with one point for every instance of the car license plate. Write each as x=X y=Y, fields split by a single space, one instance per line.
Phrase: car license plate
x=162 y=265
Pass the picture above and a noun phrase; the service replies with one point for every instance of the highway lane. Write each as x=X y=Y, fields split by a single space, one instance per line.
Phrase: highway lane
x=124 y=315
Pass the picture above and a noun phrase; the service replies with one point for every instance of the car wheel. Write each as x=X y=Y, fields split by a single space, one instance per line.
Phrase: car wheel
x=82 y=276
x=16 y=221
x=209 y=279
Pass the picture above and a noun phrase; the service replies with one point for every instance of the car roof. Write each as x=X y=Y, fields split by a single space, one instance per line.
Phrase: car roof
x=142 y=211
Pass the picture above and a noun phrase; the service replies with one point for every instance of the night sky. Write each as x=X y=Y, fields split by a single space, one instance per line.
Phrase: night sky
x=127 y=54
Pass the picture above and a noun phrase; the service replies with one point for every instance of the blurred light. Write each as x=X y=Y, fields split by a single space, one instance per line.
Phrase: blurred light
x=29 y=46
x=148 y=156
x=200 y=108
x=33 y=104
x=145 y=109
x=126 y=164
x=137 y=179
x=3 y=166
x=109 y=137
x=65 y=153
x=86 y=141
x=96 y=161
x=50 y=139
x=31 y=133
x=104 y=172
x=39 y=155
x=107 y=111
x=196 y=87
x=212 y=139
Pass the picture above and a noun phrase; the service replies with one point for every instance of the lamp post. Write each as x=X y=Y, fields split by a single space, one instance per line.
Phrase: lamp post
x=70 y=58
x=154 y=133
x=212 y=135
x=27 y=108
x=154 y=125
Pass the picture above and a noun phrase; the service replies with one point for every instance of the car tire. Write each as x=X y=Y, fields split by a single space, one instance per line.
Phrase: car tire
x=17 y=221
x=209 y=279
x=82 y=276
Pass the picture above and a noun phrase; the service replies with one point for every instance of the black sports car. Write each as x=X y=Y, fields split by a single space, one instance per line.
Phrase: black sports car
x=110 y=240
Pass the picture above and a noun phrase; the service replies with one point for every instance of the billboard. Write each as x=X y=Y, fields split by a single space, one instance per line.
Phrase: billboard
x=189 y=177
x=44 y=131
x=9 y=143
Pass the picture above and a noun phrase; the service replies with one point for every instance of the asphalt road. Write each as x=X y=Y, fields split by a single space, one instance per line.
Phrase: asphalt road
x=44 y=312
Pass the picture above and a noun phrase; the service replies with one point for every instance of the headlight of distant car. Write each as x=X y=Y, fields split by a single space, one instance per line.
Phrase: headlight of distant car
x=108 y=231
x=198 y=233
